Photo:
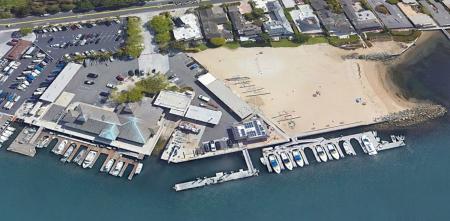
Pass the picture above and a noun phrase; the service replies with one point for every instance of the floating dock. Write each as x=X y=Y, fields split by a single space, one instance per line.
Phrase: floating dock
x=301 y=145
x=221 y=177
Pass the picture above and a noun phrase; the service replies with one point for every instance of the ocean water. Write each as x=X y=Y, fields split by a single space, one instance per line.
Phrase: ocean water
x=409 y=183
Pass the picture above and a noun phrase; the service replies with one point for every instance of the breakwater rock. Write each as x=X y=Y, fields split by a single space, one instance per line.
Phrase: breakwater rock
x=416 y=115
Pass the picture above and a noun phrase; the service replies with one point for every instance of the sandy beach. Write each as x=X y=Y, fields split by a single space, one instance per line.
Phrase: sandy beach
x=308 y=89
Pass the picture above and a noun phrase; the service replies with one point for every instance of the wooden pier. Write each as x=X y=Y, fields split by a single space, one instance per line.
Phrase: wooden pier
x=312 y=144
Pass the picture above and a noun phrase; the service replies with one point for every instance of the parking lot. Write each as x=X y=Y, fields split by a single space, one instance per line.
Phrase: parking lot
x=107 y=73
x=182 y=70
x=54 y=44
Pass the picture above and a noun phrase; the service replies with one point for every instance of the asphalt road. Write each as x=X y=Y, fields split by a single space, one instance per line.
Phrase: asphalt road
x=65 y=17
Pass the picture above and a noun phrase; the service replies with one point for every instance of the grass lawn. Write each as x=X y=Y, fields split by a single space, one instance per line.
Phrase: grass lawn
x=335 y=41
x=232 y=45
x=284 y=43
x=405 y=36
x=317 y=40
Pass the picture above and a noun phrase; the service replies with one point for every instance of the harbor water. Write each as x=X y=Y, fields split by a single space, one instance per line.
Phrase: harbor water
x=402 y=184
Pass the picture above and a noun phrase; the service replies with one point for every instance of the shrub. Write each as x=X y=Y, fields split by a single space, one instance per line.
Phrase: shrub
x=24 y=31
x=217 y=42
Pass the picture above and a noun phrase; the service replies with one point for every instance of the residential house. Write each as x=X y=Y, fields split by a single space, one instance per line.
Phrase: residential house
x=245 y=30
x=278 y=25
x=215 y=23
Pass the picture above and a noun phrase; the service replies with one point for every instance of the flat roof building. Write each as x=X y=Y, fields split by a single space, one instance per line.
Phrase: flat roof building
x=188 y=28
x=18 y=50
x=203 y=115
x=391 y=15
x=177 y=103
x=250 y=131
x=336 y=24
x=305 y=19
x=61 y=81
x=231 y=100
x=418 y=19
x=362 y=18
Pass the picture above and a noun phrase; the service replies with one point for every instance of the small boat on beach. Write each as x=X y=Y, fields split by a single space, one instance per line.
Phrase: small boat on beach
x=298 y=158
x=108 y=166
x=68 y=152
x=286 y=160
x=274 y=163
x=117 y=168
x=89 y=159
x=322 y=155
x=60 y=148
x=78 y=157
x=347 y=148
x=333 y=151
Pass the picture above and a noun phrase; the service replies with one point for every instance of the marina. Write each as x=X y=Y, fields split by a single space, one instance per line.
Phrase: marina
x=324 y=150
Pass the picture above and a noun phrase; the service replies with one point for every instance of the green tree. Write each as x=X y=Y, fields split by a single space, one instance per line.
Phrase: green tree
x=160 y=24
x=301 y=38
x=5 y=14
x=162 y=38
x=53 y=9
x=38 y=10
x=24 y=31
x=84 y=5
x=20 y=11
x=217 y=42
x=65 y=7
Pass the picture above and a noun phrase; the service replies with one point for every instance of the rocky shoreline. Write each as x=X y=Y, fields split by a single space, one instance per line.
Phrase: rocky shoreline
x=419 y=114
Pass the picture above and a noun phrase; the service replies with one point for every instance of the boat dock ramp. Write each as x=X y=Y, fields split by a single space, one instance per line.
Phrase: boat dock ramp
x=221 y=177
x=369 y=142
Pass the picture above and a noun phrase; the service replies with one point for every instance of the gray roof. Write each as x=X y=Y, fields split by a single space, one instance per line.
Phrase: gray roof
x=362 y=19
x=240 y=25
x=133 y=123
x=58 y=85
x=210 y=18
x=278 y=25
x=395 y=19
x=335 y=24
x=437 y=11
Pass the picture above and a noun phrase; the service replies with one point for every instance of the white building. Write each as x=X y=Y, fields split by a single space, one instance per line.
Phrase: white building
x=305 y=20
x=189 y=28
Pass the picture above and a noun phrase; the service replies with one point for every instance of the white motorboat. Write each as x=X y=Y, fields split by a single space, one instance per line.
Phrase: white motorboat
x=139 y=168
x=286 y=160
x=322 y=155
x=333 y=151
x=117 y=168
x=298 y=158
x=68 y=152
x=108 y=166
x=12 y=129
x=43 y=142
x=369 y=146
x=60 y=148
x=274 y=163
x=3 y=138
x=7 y=133
x=78 y=157
x=348 y=148
x=89 y=159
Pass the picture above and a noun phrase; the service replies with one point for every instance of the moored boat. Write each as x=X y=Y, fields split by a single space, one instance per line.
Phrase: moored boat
x=274 y=163
x=139 y=168
x=286 y=160
x=108 y=166
x=60 y=148
x=333 y=151
x=298 y=158
x=68 y=152
x=347 y=148
x=43 y=142
x=78 y=157
x=369 y=146
x=12 y=129
x=89 y=159
x=322 y=155
x=117 y=168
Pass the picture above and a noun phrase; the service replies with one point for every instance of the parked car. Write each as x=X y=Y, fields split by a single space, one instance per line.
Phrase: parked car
x=212 y=145
x=92 y=75
x=110 y=85
x=88 y=82
x=204 y=98
x=120 y=77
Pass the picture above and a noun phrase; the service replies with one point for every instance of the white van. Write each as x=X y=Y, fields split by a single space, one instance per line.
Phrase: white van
x=204 y=98
x=26 y=56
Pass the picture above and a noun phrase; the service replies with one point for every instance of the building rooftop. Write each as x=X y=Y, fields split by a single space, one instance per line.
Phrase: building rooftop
x=251 y=130
x=231 y=100
x=336 y=24
x=212 y=21
x=278 y=25
x=17 y=50
x=188 y=28
x=362 y=18
x=241 y=26
x=58 y=85
x=306 y=20
x=418 y=19
x=203 y=115
x=437 y=11
x=178 y=103
x=391 y=15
